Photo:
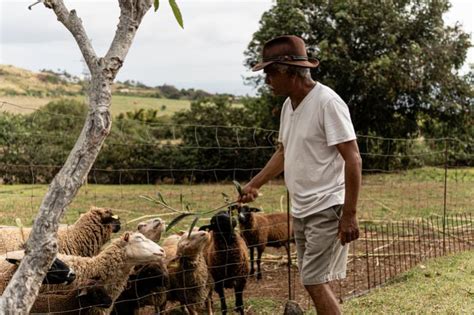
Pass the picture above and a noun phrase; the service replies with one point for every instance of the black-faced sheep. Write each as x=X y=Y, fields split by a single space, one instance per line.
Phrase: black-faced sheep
x=152 y=228
x=227 y=258
x=190 y=282
x=114 y=264
x=84 y=238
x=59 y=272
x=147 y=285
x=261 y=230
x=78 y=301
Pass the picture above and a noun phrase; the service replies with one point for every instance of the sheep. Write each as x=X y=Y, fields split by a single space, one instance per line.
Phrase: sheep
x=84 y=238
x=262 y=230
x=227 y=258
x=114 y=264
x=59 y=272
x=78 y=301
x=190 y=282
x=147 y=285
x=152 y=229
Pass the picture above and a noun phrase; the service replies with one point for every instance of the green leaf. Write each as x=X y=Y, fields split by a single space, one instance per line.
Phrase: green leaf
x=238 y=187
x=157 y=5
x=176 y=12
x=177 y=219
x=161 y=198
x=193 y=224
x=148 y=198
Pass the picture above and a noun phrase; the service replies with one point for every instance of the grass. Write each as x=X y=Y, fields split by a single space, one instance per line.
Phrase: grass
x=443 y=286
x=383 y=197
x=120 y=104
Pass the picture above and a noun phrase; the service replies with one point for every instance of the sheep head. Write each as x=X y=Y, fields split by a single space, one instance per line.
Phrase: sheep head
x=152 y=228
x=193 y=244
x=58 y=273
x=222 y=222
x=140 y=249
x=107 y=217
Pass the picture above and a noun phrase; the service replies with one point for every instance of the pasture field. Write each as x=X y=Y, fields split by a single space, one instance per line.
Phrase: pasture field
x=387 y=196
x=443 y=285
x=120 y=104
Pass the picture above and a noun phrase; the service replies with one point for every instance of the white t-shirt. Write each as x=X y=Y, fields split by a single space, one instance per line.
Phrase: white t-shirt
x=314 y=169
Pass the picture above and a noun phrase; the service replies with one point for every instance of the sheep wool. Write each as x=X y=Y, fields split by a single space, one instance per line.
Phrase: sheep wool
x=84 y=238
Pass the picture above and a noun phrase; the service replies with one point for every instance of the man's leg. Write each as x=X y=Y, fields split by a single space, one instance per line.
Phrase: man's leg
x=324 y=299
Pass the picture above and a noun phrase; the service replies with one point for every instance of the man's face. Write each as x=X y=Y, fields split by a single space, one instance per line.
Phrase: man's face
x=277 y=81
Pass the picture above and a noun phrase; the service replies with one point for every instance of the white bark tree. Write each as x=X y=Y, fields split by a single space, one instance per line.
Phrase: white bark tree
x=41 y=247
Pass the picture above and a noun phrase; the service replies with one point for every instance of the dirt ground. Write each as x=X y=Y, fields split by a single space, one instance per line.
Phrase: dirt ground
x=379 y=255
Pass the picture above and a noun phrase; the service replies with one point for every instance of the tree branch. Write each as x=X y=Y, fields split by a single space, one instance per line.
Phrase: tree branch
x=41 y=247
x=131 y=15
x=74 y=24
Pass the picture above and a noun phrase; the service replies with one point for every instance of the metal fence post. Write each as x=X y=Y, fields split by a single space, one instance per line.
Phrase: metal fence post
x=445 y=192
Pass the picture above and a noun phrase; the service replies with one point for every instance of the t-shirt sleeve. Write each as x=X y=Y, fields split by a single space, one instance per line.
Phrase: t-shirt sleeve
x=282 y=117
x=337 y=122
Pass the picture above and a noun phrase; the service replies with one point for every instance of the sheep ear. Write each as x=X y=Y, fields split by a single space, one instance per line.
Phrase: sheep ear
x=13 y=261
x=126 y=237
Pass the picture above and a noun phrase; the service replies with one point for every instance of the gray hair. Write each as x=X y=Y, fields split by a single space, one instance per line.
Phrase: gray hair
x=299 y=71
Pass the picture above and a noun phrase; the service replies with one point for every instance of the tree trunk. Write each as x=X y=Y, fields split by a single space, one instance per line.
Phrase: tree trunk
x=41 y=247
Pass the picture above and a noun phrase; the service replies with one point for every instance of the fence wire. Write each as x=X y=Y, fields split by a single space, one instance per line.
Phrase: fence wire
x=414 y=205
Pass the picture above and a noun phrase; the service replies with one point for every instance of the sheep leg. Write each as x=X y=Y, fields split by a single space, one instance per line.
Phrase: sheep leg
x=252 y=270
x=219 y=287
x=239 y=299
x=259 y=261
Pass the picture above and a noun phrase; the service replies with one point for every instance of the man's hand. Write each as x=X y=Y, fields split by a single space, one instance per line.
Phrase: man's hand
x=348 y=228
x=249 y=194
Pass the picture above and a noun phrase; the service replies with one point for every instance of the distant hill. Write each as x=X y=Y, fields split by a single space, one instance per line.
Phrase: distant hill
x=15 y=81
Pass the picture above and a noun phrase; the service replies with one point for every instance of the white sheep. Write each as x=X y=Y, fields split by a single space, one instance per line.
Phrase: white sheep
x=84 y=238
x=113 y=265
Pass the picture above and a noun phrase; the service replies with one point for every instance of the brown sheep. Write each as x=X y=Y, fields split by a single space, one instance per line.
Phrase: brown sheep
x=227 y=258
x=262 y=230
x=190 y=282
x=78 y=301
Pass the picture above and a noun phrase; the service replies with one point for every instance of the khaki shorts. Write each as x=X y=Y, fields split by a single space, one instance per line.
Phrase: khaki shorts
x=321 y=257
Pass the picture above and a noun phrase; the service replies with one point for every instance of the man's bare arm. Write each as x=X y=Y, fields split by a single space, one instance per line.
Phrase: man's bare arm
x=349 y=229
x=273 y=168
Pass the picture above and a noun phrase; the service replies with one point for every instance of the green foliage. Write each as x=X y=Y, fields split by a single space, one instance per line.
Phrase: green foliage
x=224 y=146
x=395 y=63
x=42 y=138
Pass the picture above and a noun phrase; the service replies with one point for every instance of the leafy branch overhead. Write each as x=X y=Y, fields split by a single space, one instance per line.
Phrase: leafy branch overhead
x=184 y=214
x=175 y=8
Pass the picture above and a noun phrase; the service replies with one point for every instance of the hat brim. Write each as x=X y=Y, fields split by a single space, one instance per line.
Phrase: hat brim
x=310 y=63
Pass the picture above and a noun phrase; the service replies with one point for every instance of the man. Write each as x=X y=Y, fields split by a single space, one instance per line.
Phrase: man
x=319 y=154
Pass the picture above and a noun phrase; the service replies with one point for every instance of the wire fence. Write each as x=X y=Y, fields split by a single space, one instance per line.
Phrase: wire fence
x=414 y=204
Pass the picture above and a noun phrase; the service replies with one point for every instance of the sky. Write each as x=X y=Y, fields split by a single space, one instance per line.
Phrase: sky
x=207 y=54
